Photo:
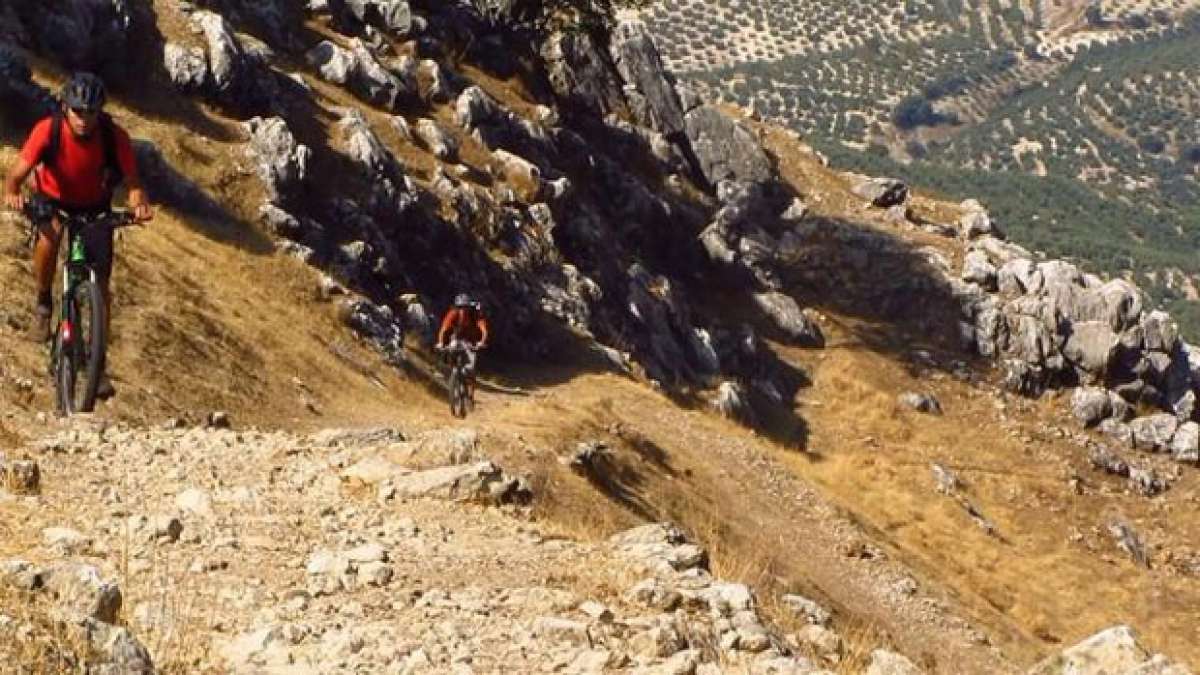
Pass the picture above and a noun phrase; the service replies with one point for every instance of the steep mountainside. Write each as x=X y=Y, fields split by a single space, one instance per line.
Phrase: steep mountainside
x=886 y=438
x=1077 y=121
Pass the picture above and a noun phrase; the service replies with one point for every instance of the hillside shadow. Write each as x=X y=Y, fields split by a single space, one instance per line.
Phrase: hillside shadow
x=169 y=187
x=620 y=483
x=889 y=294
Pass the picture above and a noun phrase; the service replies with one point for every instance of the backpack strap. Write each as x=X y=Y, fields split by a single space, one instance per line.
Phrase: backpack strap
x=112 y=167
x=50 y=152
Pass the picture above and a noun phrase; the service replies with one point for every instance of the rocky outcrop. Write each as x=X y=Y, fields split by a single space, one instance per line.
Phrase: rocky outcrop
x=93 y=35
x=726 y=150
x=651 y=94
x=787 y=316
x=378 y=325
x=227 y=70
x=26 y=100
x=732 y=402
x=1115 y=650
x=363 y=74
x=581 y=74
x=87 y=605
x=1050 y=324
x=281 y=161
x=393 y=16
x=392 y=191
x=436 y=139
x=276 y=21
x=880 y=192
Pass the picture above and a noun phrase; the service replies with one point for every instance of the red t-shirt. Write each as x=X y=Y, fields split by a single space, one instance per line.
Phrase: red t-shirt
x=77 y=177
x=459 y=323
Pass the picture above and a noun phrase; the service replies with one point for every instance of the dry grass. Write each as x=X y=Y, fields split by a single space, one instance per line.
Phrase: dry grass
x=31 y=639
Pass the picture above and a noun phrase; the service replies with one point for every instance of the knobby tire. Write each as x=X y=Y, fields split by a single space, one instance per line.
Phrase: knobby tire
x=81 y=364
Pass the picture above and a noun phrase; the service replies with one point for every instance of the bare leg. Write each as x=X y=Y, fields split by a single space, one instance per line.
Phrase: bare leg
x=45 y=254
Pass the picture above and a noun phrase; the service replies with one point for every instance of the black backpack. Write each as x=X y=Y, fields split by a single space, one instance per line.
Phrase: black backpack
x=112 y=175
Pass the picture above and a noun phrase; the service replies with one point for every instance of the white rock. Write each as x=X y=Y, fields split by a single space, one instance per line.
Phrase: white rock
x=807 y=609
x=884 y=662
x=597 y=611
x=375 y=573
x=367 y=553
x=195 y=502
x=562 y=630
x=65 y=541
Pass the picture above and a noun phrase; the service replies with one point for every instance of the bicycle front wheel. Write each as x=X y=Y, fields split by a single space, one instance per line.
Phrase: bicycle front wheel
x=81 y=346
x=458 y=393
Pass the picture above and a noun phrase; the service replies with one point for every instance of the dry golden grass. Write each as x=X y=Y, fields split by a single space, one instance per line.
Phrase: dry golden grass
x=34 y=643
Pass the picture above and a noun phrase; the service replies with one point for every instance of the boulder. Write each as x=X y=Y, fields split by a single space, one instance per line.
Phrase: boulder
x=1019 y=277
x=925 y=403
x=280 y=161
x=114 y=650
x=1160 y=333
x=977 y=269
x=1154 y=432
x=807 y=609
x=482 y=481
x=186 y=66
x=1091 y=346
x=377 y=324
x=394 y=16
x=1115 y=650
x=278 y=21
x=359 y=70
x=881 y=192
x=392 y=191
x=79 y=590
x=725 y=149
x=436 y=139
x=787 y=316
x=884 y=662
x=237 y=77
x=732 y=402
x=581 y=73
x=652 y=96
x=661 y=545
x=1091 y=405
x=1185 y=444
x=977 y=223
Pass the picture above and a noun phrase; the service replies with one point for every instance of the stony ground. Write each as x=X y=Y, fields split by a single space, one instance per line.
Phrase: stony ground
x=250 y=551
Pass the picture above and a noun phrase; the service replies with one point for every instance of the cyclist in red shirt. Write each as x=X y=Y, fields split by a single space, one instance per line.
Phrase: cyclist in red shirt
x=465 y=321
x=75 y=166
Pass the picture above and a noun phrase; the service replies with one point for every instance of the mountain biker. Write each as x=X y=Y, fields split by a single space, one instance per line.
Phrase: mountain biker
x=465 y=321
x=77 y=176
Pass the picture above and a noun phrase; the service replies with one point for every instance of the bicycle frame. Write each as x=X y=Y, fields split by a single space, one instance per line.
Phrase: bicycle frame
x=75 y=269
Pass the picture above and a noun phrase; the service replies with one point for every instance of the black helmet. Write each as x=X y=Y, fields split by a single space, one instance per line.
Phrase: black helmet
x=84 y=91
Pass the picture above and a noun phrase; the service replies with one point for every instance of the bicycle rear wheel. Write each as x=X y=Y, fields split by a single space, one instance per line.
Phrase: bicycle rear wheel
x=81 y=345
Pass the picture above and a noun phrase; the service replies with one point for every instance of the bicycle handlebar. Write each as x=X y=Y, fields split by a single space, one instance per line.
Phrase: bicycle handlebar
x=113 y=218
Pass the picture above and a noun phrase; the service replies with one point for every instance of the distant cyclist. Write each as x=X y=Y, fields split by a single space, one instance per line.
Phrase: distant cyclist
x=465 y=322
x=77 y=157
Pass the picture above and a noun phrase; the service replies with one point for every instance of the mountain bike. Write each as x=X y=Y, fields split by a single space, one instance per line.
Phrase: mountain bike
x=79 y=348
x=457 y=355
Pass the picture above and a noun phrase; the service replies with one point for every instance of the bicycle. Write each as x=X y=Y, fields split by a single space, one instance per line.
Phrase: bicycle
x=80 y=339
x=457 y=355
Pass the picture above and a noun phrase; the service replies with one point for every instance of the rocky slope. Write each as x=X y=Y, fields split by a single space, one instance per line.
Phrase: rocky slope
x=614 y=223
